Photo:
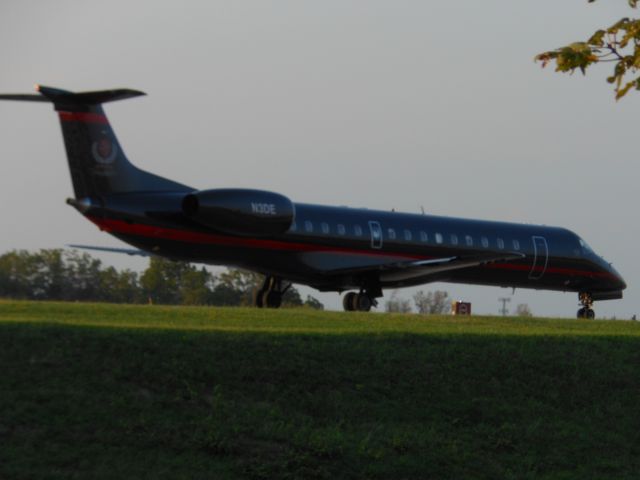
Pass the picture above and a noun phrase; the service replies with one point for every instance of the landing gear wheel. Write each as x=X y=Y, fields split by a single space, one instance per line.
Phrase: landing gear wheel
x=271 y=292
x=272 y=299
x=586 y=300
x=258 y=299
x=348 y=301
x=362 y=302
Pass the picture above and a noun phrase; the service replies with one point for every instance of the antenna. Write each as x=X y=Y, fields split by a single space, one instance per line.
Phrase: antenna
x=504 y=309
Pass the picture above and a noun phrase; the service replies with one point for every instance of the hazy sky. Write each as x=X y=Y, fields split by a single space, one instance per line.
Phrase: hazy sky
x=384 y=104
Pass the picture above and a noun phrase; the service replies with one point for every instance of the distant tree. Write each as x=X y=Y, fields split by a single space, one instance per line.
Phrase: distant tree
x=237 y=287
x=314 y=303
x=159 y=281
x=195 y=287
x=523 y=310
x=618 y=44
x=52 y=275
x=432 y=302
x=224 y=295
x=14 y=274
x=64 y=275
x=120 y=286
x=170 y=282
x=396 y=304
x=35 y=276
x=292 y=298
x=83 y=277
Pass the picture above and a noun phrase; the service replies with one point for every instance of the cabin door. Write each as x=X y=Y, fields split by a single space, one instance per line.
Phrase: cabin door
x=376 y=235
x=540 y=258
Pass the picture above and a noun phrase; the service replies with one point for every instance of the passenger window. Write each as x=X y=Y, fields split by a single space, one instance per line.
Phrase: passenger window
x=407 y=235
x=391 y=233
x=516 y=245
x=438 y=238
x=500 y=243
x=341 y=229
x=454 y=239
x=325 y=228
x=469 y=240
x=485 y=242
x=308 y=226
x=424 y=237
x=357 y=229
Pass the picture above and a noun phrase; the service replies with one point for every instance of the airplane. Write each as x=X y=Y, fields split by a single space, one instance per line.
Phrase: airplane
x=339 y=249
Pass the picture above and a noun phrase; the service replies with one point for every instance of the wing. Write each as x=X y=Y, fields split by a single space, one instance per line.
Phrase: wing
x=394 y=269
x=424 y=268
x=128 y=251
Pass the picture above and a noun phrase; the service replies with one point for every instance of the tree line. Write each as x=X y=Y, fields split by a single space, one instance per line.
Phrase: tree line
x=69 y=275
x=434 y=303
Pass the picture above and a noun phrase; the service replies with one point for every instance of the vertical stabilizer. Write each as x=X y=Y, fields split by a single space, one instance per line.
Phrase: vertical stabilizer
x=97 y=162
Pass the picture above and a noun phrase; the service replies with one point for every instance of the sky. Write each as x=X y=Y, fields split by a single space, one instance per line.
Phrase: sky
x=382 y=104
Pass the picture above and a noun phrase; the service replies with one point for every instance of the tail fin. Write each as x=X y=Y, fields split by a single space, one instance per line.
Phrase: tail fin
x=97 y=162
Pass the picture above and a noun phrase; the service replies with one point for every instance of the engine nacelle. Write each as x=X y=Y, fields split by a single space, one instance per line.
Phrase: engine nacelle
x=240 y=211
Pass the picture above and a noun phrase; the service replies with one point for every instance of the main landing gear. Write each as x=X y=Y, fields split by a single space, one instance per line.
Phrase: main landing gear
x=271 y=292
x=361 y=302
x=587 y=302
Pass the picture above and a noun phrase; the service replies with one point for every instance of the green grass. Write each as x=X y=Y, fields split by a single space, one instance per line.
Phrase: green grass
x=101 y=391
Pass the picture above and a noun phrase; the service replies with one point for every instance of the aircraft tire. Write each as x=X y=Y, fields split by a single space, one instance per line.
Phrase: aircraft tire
x=258 y=299
x=581 y=313
x=272 y=299
x=348 y=301
x=362 y=302
x=590 y=314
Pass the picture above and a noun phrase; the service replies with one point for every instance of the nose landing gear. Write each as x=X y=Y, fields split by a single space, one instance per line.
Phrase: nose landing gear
x=586 y=300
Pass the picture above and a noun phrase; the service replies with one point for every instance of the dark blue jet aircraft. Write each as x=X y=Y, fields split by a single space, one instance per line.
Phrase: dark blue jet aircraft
x=358 y=251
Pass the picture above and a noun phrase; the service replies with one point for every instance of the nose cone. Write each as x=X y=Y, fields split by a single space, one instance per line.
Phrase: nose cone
x=617 y=279
x=612 y=279
x=608 y=281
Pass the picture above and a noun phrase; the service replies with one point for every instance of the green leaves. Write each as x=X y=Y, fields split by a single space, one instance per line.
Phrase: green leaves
x=618 y=44
x=597 y=39
x=632 y=3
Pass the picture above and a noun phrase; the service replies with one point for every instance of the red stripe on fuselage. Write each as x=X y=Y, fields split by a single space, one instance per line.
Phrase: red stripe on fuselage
x=119 y=226
x=84 y=117
x=188 y=236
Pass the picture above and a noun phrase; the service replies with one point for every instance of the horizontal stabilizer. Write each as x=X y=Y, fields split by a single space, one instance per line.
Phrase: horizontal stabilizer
x=127 y=251
x=24 y=97
x=64 y=97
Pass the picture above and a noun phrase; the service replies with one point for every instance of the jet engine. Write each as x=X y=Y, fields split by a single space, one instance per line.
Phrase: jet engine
x=240 y=211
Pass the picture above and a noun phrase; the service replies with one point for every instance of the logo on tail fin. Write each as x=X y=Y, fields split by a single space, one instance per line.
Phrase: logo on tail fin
x=104 y=151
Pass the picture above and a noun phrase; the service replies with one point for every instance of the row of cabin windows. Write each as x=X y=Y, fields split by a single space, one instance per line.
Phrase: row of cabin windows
x=408 y=235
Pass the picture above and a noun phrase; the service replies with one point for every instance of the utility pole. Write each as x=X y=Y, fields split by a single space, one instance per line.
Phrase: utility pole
x=504 y=301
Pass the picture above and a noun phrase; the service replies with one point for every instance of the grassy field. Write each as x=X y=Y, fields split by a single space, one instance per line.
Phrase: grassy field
x=101 y=391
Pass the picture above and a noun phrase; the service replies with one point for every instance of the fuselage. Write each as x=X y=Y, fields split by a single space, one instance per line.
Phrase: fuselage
x=324 y=241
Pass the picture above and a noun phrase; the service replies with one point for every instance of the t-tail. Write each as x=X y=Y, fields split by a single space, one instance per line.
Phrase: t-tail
x=97 y=162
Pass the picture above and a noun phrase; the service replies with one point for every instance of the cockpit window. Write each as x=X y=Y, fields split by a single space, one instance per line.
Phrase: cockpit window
x=585 y=246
